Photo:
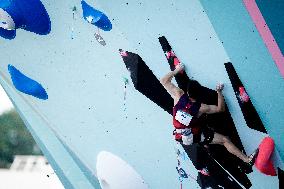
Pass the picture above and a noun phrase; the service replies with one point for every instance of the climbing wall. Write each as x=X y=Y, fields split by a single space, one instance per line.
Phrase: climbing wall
x=90 y=105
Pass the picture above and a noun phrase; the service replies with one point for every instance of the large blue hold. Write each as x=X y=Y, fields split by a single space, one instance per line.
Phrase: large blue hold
x=29 y=15
x=26 y=84
x=96 y=17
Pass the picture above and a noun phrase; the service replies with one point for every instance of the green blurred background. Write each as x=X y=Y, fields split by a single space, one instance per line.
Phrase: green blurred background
x=14 y=139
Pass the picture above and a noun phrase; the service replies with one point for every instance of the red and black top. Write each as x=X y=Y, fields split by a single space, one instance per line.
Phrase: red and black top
x=186 y=105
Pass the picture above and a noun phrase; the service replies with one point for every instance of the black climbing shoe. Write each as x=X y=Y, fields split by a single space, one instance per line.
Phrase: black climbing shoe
x=253 y=157
x=247 y=167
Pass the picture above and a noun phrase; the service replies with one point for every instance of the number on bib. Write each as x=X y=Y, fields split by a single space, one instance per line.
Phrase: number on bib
x=183 y=117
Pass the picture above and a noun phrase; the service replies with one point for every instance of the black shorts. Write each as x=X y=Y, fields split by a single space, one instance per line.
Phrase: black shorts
x=205 y=137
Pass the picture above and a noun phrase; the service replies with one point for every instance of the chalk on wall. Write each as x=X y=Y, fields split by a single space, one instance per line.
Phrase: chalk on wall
x=29 y=15
x=26 y=84
x=74 y=10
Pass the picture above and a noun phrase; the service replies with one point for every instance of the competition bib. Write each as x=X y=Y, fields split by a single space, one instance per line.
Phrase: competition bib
x=183 y=117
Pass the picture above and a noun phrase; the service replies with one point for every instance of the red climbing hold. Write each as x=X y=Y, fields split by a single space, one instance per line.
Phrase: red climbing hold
x=263 y=161
x=243 y=95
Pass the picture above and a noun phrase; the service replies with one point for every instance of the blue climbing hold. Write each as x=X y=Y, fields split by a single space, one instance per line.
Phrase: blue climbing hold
x=181 y=172
x=96 y=17
x=29 y=15
x=26 y=84
x=7 y=34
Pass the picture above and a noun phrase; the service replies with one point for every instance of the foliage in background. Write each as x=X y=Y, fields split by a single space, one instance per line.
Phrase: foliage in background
x=15 y=139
